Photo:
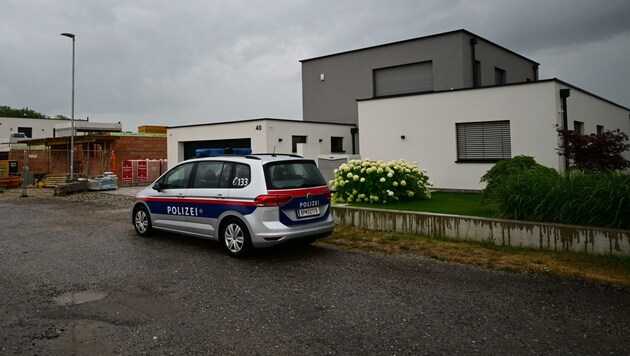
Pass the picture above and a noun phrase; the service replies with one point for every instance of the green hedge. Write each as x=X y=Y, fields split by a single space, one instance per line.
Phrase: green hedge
x=597 y=199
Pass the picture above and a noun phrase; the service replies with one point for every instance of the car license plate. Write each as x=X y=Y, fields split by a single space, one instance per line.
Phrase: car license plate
x=307 y=212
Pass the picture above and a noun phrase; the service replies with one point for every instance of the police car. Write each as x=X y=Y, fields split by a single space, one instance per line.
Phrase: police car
x=243 y=200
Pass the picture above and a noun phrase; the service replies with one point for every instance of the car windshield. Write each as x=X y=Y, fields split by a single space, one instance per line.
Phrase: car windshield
x=293 y=174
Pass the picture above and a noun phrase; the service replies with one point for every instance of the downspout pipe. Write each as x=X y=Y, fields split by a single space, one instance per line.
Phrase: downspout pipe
x=353 y=132
x=564 y=94
x=473 y=43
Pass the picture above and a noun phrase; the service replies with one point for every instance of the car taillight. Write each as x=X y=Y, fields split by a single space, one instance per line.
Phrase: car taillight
x=272 y=199
x=327 y=194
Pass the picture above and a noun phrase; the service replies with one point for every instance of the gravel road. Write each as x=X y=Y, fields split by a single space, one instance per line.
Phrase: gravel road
x=75 y=279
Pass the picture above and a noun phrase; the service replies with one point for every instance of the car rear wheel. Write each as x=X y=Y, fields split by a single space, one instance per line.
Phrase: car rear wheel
x=142 y=222
x=235 y=238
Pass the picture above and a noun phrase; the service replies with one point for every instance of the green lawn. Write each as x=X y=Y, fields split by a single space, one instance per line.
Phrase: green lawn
x=468 y=204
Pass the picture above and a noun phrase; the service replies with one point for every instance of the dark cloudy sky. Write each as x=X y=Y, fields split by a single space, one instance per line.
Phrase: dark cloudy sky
x=166 y=62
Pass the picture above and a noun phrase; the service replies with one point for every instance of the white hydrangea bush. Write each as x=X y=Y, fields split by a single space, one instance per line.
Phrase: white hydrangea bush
x=379 y=182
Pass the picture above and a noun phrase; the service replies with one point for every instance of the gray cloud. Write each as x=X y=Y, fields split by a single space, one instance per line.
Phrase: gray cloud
x=172 y=63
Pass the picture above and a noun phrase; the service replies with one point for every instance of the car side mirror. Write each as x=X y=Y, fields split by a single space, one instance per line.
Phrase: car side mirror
x=157 y=186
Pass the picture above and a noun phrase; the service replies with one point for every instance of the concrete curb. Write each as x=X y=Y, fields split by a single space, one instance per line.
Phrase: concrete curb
x=544 y=236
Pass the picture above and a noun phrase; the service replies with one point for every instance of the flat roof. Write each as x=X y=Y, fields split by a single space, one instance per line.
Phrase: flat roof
x=419 y=39
x=260 y=119
x=498 y=86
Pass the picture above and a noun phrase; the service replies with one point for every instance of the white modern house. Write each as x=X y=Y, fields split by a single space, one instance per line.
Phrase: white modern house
x=265 y=135
x=458 y=135
x=454 y=102
x=30 y=127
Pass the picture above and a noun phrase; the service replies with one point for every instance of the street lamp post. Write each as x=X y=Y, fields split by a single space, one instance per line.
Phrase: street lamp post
x=70 y=35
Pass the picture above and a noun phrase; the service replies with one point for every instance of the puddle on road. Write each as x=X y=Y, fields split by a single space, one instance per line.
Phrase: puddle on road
x=79 y=297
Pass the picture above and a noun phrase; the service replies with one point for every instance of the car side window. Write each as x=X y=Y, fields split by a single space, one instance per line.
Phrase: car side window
x=178 y=177
x=242 y=176
x=224 y=181
x=207 y=175
x=235 y=175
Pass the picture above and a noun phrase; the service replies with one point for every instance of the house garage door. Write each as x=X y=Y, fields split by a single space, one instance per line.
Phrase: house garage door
x=191 y=146
x=408 y=78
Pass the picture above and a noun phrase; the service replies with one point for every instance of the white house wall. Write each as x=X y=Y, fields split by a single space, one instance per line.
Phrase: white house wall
x=428 y=124
x=266 y=136
x=41 y=127
x=313 y=131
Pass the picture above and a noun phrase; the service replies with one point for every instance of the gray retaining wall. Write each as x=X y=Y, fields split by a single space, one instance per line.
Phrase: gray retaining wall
x=502 y=232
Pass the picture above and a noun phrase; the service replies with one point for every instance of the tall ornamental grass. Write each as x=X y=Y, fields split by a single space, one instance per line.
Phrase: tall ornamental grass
x=372 y=182
x=594 y=198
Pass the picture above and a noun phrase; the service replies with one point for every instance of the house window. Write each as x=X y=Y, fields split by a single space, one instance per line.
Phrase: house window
x=600 y=129
x=28 y=131
x=487 y=141
x=499 y=76
x=295 y=140
x=578 y=127
x=408 y=78
x=336 y=145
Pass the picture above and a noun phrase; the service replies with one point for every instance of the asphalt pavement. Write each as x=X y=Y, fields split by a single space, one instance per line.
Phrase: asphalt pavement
x=75 y=279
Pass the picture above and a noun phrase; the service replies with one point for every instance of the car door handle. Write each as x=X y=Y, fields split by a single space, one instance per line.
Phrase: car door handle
x=180 y=195
x=220 y=196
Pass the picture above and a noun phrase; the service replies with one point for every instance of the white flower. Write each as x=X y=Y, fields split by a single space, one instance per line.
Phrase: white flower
x=355 y=178
x=390 y=193
x=349 y=175
x=389 y=175
x=380 y=170
x=395 y=184
x=403 y=183
x=362 y=180
x=382 y=180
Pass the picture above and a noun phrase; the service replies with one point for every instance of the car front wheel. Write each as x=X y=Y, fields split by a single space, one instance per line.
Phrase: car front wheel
x=142 y=221
x=236 y=239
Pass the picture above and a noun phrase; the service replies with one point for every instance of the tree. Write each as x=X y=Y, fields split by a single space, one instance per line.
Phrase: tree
x=7 y=111
x=595 y=152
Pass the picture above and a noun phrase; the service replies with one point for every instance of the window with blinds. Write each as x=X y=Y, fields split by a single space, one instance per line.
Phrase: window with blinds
x=408 y=78
x=487 y=141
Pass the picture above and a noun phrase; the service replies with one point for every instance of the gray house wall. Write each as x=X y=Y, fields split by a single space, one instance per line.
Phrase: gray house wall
x=518 y=69
x=348 y=76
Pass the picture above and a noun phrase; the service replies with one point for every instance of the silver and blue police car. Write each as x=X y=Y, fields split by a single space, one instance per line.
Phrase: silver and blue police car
x=243 y=200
